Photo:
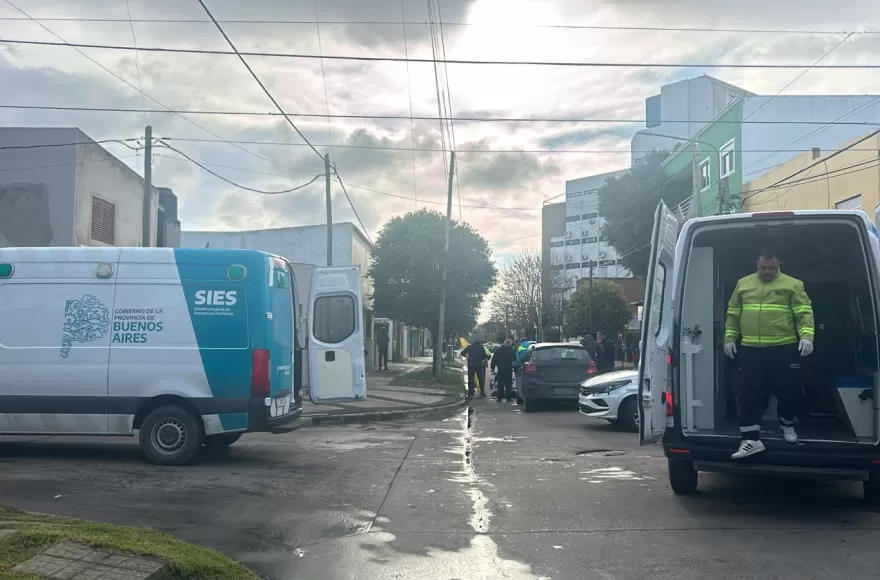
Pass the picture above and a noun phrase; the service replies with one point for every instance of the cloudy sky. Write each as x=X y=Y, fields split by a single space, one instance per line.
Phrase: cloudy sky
x=501 y=165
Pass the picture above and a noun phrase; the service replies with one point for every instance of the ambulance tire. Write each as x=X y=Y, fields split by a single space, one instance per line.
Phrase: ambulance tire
x=683 y=477
x=170 y=435
x=222 y=441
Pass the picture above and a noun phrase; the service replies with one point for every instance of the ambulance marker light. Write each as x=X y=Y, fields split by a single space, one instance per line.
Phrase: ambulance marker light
x=6 y=270
x=236 y=272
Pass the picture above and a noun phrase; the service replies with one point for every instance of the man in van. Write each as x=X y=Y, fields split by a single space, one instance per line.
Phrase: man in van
x=774 y=317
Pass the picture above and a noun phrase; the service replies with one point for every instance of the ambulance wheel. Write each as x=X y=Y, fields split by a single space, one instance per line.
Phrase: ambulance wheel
x=222 y=441
x=682 y=476
x=871 y=488
x=170 y=435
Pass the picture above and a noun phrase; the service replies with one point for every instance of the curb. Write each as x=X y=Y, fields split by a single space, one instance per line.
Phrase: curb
x=374 y=416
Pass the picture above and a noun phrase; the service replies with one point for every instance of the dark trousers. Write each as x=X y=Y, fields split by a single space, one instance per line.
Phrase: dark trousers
x=383 y=358
x=475 y=373
x=773 y=369
x=504 y=383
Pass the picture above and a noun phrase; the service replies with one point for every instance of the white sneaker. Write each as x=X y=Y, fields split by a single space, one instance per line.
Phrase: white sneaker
x=748 y=447
x=789 y=434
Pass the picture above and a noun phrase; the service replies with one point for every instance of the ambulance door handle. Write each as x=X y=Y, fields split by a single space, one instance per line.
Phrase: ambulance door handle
x=329 y=355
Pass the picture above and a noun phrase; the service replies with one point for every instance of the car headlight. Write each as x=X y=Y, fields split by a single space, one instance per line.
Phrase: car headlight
x=615 y=386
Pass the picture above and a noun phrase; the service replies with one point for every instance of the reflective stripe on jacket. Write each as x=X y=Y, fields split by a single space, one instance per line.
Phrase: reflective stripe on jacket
x=769 y=313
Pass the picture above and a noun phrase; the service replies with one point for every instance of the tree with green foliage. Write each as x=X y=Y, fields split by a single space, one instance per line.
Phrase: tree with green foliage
x=407 y=273
x=627 y=204
x=610 y=310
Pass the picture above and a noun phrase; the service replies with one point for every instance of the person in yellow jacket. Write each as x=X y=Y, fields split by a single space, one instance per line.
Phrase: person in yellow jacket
x=773 y=316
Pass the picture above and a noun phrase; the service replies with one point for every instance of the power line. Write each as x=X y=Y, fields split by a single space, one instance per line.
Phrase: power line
x=351 y=203
x=449 y=99
x=155 y=100
x=256 y=78
x=229 y=181
x=89 y=142
x=833 y=174
x=461 y=24
x=798 y=77
x=577 y=64
x=69 y=164
x=323 y=73
x=137 y=60
x=457 y=119
x=412 y=129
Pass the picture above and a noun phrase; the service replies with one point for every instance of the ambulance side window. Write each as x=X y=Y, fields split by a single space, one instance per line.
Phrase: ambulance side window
x=658 y=298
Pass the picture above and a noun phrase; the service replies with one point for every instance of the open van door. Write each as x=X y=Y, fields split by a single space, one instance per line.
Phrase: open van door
x=657 y=327
x=337 y=364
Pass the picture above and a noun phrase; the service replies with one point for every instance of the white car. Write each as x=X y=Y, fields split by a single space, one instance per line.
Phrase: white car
x=612 y=396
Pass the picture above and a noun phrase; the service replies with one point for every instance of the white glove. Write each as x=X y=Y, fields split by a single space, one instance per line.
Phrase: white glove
x=730 y=349
x=805 y=347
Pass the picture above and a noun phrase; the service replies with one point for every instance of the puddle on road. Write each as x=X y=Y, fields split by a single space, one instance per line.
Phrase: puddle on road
x=611 y=473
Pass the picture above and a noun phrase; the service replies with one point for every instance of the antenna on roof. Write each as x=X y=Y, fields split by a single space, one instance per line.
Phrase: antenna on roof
x=207 y=244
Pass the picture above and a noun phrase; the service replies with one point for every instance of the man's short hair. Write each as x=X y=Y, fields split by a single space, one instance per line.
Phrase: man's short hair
x=768 y=254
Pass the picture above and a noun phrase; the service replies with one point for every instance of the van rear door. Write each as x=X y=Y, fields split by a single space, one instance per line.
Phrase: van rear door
x=337 y=362
x=657 y=327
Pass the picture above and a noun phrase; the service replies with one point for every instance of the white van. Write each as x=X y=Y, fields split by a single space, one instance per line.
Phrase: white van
x=184 y=347
x=686 y=396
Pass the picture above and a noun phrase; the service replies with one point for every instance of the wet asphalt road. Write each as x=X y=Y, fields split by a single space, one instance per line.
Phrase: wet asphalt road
x=506 y=497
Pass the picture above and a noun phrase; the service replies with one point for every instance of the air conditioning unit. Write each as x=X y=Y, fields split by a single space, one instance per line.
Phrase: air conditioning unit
x=567 y=234
x=603 y=254
x=592 y=220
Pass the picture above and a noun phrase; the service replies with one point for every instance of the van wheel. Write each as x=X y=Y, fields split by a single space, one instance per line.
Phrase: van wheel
x=628 y=415
x=528 y=405
x=682 y=476
x=222 y=441
x=170 y=435
x=871 y=488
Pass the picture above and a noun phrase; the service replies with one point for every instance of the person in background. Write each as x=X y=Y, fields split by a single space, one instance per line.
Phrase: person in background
x=476 y=366
x=605 y=362
x=382 y=340
x=590 y=344
x=502 y=363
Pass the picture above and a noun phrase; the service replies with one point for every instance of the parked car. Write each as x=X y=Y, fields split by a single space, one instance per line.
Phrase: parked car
x=552 y=372
x=612 y=397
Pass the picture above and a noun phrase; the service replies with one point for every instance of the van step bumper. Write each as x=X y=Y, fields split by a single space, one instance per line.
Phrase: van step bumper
x=782 y=470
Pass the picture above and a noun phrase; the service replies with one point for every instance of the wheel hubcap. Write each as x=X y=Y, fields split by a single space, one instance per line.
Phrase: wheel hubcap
x=169 y=436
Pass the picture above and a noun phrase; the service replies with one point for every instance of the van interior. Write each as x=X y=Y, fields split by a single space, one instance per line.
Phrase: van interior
x=839 y=379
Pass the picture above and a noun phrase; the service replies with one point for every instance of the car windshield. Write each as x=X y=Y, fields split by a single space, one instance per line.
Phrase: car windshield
x=560 y=353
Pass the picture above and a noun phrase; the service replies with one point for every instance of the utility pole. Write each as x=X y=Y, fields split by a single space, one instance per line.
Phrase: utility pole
x=329 y=209
x=438 y=340
x=697 y=198
x=148 y=187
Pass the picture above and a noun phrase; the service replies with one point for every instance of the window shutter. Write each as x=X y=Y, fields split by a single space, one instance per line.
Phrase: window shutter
x=851 y=203
x=103 y=221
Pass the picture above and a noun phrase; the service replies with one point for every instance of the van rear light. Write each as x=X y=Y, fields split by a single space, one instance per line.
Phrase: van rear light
x=668 y=400
x=260 y=382
x=529 y=368
x=591 y=369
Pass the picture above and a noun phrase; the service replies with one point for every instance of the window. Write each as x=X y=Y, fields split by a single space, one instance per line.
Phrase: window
x=590 y=216
x=103 y=221
x=560 y=353
x=573 y=218
x=704 y=174
x=727 y=165
x=573 y=242
x=590 y=240
x=335 y=318
x=572 y=266
x=557 y=244
x=851 y=203
x=657 y=300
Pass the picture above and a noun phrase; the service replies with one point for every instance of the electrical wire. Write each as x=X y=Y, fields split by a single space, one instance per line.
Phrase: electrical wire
x=351 y=203
x=467 y=24
x=449 y=99
x=459 y=119
x=576 y=64
x=162 y=143
x=440 y=112
x=137 y=61
x=256 y=78
x=412 y=129
x=90 y=142
x=147 y=95
x=802 y=73
x=323 y=73
x=68 y=164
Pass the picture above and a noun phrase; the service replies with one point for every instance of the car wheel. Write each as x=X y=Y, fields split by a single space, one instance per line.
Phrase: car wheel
x=528 y=405
x=222 y=441
x=170 y=435
x=682 y=476
x=871 y=489
x=628 y=415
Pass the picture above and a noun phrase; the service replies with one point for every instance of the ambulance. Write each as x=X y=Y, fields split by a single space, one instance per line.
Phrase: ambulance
x=687 y=386
x=183 y=348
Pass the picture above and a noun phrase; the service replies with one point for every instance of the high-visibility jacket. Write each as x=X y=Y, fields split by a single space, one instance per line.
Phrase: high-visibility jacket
x=769 y=313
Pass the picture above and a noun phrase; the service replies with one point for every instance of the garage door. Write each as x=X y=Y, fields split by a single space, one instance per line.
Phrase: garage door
x=851 y=203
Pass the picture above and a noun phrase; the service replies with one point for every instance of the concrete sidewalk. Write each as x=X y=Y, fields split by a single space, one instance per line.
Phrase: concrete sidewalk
x=387 y=401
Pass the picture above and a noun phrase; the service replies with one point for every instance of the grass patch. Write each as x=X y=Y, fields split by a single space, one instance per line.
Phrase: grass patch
x=36 y=533
x=450 y=379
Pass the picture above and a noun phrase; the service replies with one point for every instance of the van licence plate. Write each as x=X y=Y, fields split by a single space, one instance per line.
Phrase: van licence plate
x=563 y=391
x=281 y=406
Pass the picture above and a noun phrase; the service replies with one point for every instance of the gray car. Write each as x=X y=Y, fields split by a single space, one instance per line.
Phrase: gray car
x=552 y=372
